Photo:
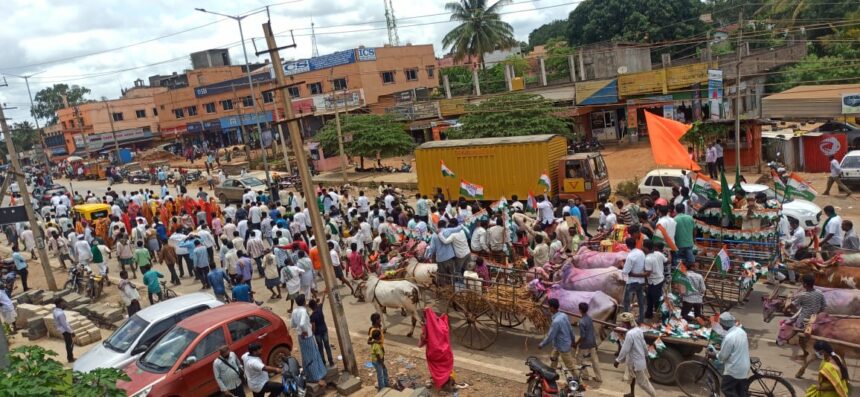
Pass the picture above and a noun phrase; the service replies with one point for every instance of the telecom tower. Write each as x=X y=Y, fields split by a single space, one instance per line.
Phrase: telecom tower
x=315 y=52
x=391 y=23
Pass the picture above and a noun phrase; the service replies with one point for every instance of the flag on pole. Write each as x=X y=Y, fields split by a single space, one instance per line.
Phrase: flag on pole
x=737 y=187
x=795 y=186
x=471 y=190
x=446 y=172
x=726 y=195
x=531 y=202
x=545 y=181
x=679 y=277
x=706 y=187
x=723 y=260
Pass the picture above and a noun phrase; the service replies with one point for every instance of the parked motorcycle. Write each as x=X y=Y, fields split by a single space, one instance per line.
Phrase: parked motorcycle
x=543 y=381
x=585 y=146
x=293 y=377
x=76 y=281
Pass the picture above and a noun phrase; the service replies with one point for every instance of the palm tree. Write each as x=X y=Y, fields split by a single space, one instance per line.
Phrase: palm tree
x=789 y=10
x=481 y=29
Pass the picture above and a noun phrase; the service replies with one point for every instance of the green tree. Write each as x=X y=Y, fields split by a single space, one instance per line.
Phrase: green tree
x=641 y=21
x=512 y=114
x=367 y=135
x=481 y=29
x=24 y=136
x=49 y=100
x=548 y=31
x=33 y=372
x=814 y=70
x=459 y=80
x=557 y=66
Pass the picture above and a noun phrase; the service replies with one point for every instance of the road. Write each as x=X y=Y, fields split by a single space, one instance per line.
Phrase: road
x=506 y=357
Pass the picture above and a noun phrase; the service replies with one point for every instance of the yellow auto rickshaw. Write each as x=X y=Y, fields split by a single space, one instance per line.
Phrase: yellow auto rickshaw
x=91 y=212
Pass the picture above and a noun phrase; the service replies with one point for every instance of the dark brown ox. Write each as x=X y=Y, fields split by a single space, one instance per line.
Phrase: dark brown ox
x=826 y=326
x=829 y=274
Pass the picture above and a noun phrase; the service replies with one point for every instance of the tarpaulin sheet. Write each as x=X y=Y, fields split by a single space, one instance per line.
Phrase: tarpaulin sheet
x=440 y=358
x=666 y=144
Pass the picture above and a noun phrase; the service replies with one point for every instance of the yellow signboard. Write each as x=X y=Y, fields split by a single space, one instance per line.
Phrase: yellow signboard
x=687 y=75
x=662 y=80
x=640 y=83
x=574 y=185
x=452 y=107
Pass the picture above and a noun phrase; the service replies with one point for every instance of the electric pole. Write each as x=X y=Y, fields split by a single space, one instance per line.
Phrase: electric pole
x=738 y=94
x=112 y=131
x=337 y=311
x=28 y=206
x=41 y=133
x=343 y=162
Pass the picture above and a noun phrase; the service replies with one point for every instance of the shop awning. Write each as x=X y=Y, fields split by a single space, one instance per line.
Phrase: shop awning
x=808 y=102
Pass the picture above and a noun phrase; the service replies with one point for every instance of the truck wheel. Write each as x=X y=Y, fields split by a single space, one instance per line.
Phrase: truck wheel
x=662 y=368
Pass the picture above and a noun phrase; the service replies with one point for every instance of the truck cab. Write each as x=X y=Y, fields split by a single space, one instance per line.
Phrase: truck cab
x=584 y=175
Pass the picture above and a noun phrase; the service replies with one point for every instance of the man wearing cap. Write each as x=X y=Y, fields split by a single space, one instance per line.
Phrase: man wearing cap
x=633 y=352
x=560 y=335
x=735 y=356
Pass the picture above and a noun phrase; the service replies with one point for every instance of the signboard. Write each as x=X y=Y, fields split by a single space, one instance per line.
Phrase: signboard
x=829 y=146
x=247 y=119
x=195 y=127
x=662 y=80
x=12 y=215
x=328 y=103
x=229 y=85
x=596 y=92
x=715 y=92
x=366 y=54
x=574 y=185
x=851 y=103
x=321 y=62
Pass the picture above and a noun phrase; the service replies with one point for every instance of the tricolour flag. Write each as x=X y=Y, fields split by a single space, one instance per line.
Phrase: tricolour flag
x=722 y=259
x=706 y=187
x=471 y=190
x=679 y=277
x=545 y=181
x=446 y=171
x=795 y=186
x=531 y=202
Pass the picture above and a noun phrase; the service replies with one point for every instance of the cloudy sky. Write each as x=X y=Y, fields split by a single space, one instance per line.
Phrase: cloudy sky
x=105 y=45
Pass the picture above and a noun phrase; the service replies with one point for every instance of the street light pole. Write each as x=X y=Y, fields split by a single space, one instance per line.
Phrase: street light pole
x=238 y=19
x=343 y=162
x=26 y=78
x=112 y=131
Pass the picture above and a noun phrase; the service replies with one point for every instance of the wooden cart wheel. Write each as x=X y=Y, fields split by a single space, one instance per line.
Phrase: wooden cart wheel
x=509 y=319
x=478 y=328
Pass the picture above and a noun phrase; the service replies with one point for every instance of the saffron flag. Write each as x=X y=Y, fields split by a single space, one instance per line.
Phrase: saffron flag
x=666 y=144
x=722 y=259
x=545 y=181
x=794 y=186
x=531 y=203
x=471 y=190
x=446 y=171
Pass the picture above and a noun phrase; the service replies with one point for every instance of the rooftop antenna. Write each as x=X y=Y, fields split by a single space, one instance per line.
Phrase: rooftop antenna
x=315 y=52
x=391 y=23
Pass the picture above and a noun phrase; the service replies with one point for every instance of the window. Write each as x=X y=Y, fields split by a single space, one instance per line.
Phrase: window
x=672 y=181
x=268 y=96
x=387 y=77
x=209 y=344
x=411 y=74
x=247 y=101
x=430 y=71
x=210 y=107
x=179 y=113
x=64 y=125
x=155 y=110
x=339 y=84
x=315 y=88
x=153 y=333
x=192 y=110
x=246 y=326
x=140 y=113
x=117 y=116
x=227 y=104
x=72 y=123
x=294 y=91
x=653 y=181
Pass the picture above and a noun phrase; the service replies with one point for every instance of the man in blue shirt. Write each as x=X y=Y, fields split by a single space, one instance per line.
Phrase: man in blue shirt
x=242 y=292
x=560 y=335
x=20 y=266
x=444 y=255
x=216 y=278
x=200 y=257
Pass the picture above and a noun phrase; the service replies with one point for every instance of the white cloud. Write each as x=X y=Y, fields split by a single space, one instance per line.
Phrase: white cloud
x=37 y=32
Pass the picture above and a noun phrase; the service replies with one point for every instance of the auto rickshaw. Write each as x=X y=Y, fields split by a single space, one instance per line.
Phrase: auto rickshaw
x=95 y=170
x=91 y=212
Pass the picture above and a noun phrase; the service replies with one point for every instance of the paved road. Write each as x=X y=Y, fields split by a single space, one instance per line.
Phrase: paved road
x=506 y=357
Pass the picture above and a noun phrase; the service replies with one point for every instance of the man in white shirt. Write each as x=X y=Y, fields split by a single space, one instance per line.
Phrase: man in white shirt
x=634 y=352
x=389 y=199
x=654 y=265
x=609 y=219
x=735 y=356
x=455 y=236
x=711 y=161
x=63 y=327
x=83 y=251
x=479 y=237
x=836 y=176
x=544 y=209
x=55 y=199
x=718 y=152
x=363 y=204
x=257 y=373
x=634 y=270
x=255 y=213
x=228 y=373
x=832 y=232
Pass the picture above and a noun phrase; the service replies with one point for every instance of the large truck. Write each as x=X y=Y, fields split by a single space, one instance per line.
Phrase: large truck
x=512 y=166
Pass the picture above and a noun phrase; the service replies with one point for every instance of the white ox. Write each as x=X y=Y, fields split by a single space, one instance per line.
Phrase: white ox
x=423 y=274
x=395 y=294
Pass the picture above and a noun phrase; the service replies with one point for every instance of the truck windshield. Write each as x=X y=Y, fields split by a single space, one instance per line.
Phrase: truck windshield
x=598 y=167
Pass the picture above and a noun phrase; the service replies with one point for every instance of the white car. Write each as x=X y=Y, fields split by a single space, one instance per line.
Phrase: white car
x=662 y=180
x=851 y=167
x=141 y=330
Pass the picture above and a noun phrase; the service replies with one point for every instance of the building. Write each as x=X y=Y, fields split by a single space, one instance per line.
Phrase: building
x=171 y=81
x=89 y=127
x=490 y=58
x=210 y=58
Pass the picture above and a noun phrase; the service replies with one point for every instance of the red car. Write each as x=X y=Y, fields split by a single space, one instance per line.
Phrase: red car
x=180 y=362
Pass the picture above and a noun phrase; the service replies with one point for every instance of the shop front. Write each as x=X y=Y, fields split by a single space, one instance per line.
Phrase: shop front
x=232 y=126
x=599 y=115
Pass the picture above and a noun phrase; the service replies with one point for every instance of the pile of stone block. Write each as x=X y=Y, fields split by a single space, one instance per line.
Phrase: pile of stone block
x=31 y=320
x=37 y=321
x=85 y=331
x=103 y=313
x=98 y=312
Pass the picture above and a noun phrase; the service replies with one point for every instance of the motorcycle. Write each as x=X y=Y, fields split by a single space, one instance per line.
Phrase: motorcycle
x=543 y=381
x=293 y=377
x=585 y=146
x=76 y=283
x=193 y=176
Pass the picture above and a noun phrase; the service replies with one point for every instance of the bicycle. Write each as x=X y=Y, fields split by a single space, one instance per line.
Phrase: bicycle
x=702 y=378
x=167 y=292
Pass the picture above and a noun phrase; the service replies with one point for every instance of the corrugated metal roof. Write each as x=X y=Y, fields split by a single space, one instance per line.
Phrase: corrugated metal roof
x=832 y=91
x=487 y=141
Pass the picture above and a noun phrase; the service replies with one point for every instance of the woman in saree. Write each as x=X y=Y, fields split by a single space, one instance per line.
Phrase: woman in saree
x=832 y=374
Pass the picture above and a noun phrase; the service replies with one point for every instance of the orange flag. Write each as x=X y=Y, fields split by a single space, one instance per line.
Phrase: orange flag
x=666 y=144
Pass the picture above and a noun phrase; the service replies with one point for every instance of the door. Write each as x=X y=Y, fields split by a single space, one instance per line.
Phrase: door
x=604 y=126
x=198 y=379
x=247 y=330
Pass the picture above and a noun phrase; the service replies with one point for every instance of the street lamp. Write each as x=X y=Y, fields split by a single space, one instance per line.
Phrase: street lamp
x=238 y=19
x=26 y=78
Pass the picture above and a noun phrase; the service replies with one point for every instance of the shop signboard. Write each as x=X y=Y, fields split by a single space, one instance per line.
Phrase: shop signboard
x=322 y=62
x=851 y=103
x=662 y=80
x=599 y=92
x=715 y=93
x=366 y=54
x=341 y=100
x=247 y=119
x=229 y=85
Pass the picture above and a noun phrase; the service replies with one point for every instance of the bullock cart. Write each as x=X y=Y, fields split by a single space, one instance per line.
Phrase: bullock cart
x=726 y=290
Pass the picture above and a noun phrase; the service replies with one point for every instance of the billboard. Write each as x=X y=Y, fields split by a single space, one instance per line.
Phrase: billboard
x=851 y=103
x=322 y=62
x=715 y=93
x=229 y=85
x=596 y=92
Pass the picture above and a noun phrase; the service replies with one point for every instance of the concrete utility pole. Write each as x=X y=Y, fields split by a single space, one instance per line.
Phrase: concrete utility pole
x=343 y=161
x=28 y=206
x=738 y=93
x=41 y=133
x=112 y=132
x=316 y=218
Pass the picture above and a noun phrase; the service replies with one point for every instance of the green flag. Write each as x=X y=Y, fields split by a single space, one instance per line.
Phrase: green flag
x=679 y=278
x=725 y=195
x=737 y=187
